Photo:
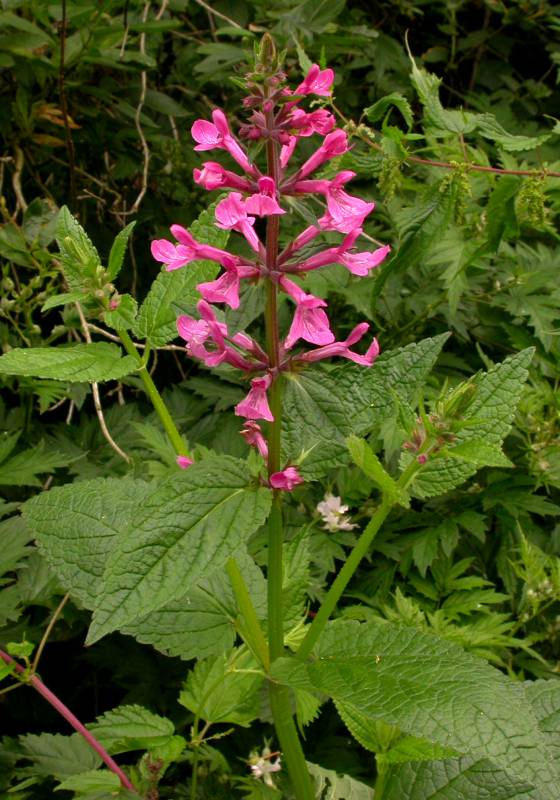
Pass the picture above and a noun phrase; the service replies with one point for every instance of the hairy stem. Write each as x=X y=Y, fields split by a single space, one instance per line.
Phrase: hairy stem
x=252 y=630
x=351 y=565
x=65 y=712
x=156 y=399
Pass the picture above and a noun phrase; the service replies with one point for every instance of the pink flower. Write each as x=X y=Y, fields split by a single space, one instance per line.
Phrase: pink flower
x=334 y=144
x=211 y=135
x=196 y=332
x=310 y=321
x=173 y=256
x=345 y=213
x=306 y=124
x=252 y=434
x=184 y=462
x=223 y=290
x=232 y=214
x=342 y=349
x=361 y=263
x=287 y=150
x=317 y=81
x=255 y=405
x=286 y=480
x=214 y=176
x=264 y=203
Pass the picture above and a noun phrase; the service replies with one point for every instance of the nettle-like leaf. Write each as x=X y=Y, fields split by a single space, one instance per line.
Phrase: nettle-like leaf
x=91 y=783
x=322 y=408
x=132 y=727
x=224 y=688
x=489 y=417
x=101 y=361
x=481 y=779
x=157 y=316
x=80 y=260
x=118 y=249
x=431 y=689
x=127 y=548
x=58 y=755
x=330 y=785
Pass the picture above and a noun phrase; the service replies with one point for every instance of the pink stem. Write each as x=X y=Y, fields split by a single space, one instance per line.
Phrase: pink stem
x=73 y=720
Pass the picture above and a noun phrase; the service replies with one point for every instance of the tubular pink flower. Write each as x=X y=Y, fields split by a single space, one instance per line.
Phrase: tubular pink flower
x=192 y=249
x=361 y=263
x=255 y=405
x=344 y=213
x=214 y=176
x=286 y=480
x=232 y=214
x=211 y=135
x=335 y=144
x=317 y=81
x=287 y=150
x=306 y=124
x=196 y=332
x=223 y=290
x=264 y=203
x=310 y=321
x=342 y=349
x=184 y=462
x=173 y=256
x=252 y=434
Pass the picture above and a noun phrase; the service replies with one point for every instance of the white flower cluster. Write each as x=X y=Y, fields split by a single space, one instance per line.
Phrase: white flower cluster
x=262 y=765
x=332 y=511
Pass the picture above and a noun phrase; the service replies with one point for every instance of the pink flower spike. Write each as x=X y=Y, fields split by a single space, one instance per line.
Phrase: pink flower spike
x=252 y=434
x=335 y=144
x=184 y=462
x=223 y=290
x=286 y=480
x=317 y=81
x=361 y=263
x=310 y=323
x=255 y=405
x=214 y=176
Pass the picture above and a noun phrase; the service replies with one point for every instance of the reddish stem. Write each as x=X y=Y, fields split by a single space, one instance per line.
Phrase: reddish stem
x=64 y=711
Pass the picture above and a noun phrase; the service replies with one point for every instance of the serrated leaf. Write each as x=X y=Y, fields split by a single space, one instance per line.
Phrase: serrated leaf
x=331 y=785
x=157 y=318
x=382 y=106
x=80 y=260
x=23 y=468
x=480 y=453
x=62 y=300
x=131 y=728
x=101 y=361
x=61 y=756
x=321 y=409
x=500 y=211
x=123 y=316
x=490 y=416
x=488 y=126
x=98 y=780
x=118 y=249
x=186 y=527
x=220 y=689
x=431 y=689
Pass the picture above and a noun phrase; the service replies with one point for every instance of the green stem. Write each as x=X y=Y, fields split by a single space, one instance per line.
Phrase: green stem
x=156 y=399
x=253 y=633
x=292 y=752
x=345 y=575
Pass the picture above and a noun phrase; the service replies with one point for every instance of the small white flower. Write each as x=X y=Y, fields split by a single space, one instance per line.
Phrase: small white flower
x=262 y=765
x=332 y=511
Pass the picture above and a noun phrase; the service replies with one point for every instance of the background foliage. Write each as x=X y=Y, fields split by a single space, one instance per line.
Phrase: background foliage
x=100 y=99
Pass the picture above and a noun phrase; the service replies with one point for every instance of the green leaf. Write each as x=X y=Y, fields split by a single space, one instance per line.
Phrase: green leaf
x=479 y=452
x=199 y=624
x=489 y=417
x=364 y=458
x=98 y=780
x=330 y=785
x=322 y=408
x=439 y=120
x=118 y=249
x=488 y=126
x=101 y=361
x=76 y=525
x=186 y=527
x=157 y=318
x=61 y=756
x=23 y=468
x=131 y=728
x=80 y=260
x=382 y=106
x=219 y=689
x=123 y=316
x=500 y=211
x=62 y=300
x=431 y=689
